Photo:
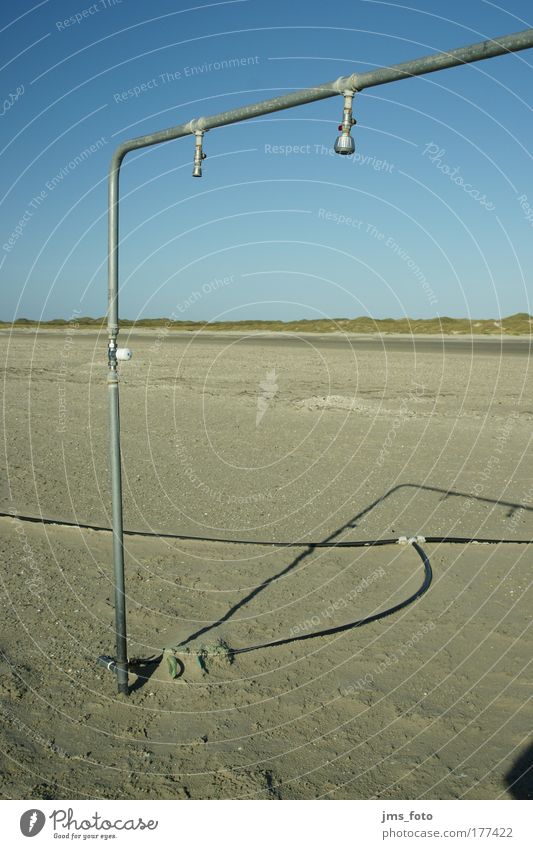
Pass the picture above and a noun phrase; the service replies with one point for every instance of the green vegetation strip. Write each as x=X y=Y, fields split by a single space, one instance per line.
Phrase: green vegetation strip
x=520 y=324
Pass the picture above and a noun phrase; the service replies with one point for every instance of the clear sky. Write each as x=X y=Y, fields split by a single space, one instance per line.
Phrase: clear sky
x=433 y=216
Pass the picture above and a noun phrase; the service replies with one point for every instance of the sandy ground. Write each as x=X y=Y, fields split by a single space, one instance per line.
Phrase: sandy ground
x=291 y=439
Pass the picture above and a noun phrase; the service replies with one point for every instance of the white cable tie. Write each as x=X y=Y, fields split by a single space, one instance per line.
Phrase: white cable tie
x=404 y=540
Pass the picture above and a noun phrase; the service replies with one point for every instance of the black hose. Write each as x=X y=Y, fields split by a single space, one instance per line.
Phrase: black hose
x=41 y=520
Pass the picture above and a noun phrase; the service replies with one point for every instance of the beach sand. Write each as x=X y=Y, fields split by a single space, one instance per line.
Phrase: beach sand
x=281 y=438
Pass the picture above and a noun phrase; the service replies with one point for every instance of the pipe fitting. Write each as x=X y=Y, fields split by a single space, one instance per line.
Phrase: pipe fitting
x=199 y=154
x=196 y=124
x=343 y=84
x=112 y=354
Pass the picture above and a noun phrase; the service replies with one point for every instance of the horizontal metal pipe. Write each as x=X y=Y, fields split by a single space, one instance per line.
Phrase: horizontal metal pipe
x=440 y=61
x=354 y=82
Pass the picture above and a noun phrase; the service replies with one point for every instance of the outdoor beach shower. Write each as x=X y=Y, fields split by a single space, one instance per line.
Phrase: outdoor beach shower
x=347 y=87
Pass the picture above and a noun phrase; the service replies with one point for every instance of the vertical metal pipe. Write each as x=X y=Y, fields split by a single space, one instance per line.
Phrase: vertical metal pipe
x=114 y=432
x=112 y=257
x=118 y=540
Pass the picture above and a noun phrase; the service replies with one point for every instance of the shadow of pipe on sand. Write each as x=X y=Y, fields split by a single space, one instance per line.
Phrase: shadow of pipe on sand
x=511 y=507
x=144 y=668
x=352 y=523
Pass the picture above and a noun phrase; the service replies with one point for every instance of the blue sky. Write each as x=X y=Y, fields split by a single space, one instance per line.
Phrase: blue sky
x=277 y=227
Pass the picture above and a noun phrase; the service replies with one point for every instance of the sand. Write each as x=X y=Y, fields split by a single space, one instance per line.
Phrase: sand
x=279 y=438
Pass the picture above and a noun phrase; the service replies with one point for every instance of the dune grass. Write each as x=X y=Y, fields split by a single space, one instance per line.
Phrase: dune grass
x=519 y=324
